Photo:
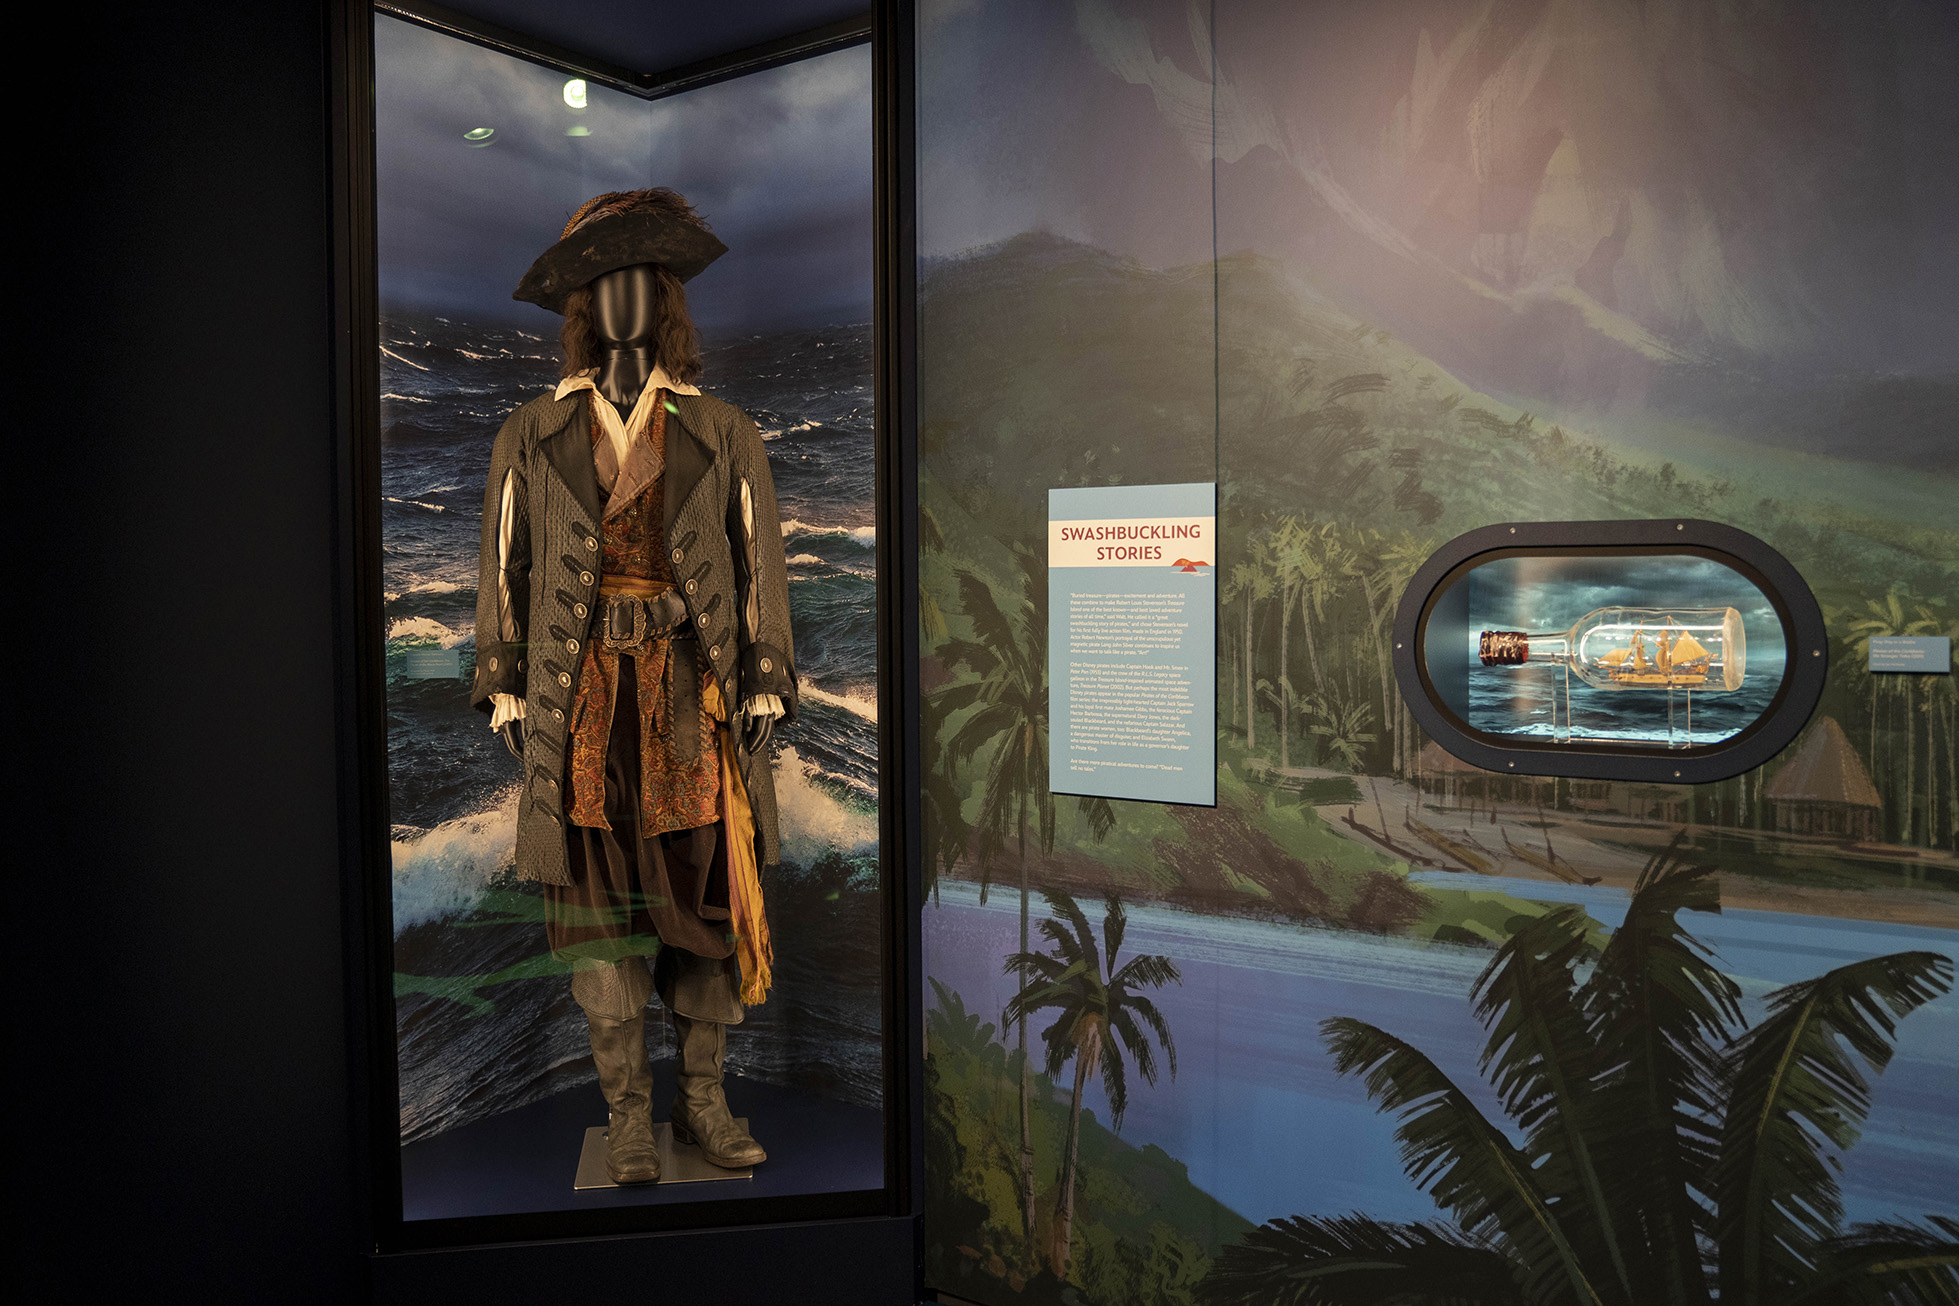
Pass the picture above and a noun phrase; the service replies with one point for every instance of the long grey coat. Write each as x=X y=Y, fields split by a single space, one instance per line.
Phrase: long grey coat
x=537 y=594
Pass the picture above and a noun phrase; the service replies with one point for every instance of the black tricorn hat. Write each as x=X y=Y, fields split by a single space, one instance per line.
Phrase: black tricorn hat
x=620 y=240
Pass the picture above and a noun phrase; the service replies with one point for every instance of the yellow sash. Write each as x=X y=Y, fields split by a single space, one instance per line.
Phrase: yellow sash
x=749 y=916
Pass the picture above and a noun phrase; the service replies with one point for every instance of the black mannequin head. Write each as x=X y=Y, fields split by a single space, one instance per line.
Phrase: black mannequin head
x=624 y=304
x=627 y=321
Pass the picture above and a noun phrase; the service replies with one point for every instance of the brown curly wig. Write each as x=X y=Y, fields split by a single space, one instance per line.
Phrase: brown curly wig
x=676 y=344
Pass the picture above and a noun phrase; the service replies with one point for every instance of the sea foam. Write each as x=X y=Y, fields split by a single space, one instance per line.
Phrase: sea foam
x=864 y=536
x=861 y=703
x=815 y=819
x=440 y=873
x=425 y=628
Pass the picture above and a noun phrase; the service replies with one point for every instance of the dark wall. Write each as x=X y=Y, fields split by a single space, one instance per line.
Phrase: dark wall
x=182 y=1058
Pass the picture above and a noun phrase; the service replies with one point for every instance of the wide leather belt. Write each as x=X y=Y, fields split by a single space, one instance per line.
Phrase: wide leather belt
x=627 y=621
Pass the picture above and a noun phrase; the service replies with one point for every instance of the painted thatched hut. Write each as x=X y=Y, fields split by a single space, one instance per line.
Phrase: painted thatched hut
x=1825 y=790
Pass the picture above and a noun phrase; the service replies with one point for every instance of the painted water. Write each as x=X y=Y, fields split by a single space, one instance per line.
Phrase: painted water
x=485 y=1020
x=1267 y=1128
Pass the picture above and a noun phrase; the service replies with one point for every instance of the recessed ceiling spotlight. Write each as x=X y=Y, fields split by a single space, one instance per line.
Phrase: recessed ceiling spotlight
x=480 y=136
x=580 y=130
x=575 y=93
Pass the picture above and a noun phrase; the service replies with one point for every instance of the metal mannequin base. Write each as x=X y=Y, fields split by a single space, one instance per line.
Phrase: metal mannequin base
x=680 y=1163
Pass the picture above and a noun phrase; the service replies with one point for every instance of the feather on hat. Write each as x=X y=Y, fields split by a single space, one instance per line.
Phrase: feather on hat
x=620 y=230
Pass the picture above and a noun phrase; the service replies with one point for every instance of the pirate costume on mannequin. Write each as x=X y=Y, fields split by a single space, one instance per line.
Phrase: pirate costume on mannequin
x=633 y=633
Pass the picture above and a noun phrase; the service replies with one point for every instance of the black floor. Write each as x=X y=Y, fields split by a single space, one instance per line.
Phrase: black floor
x=524 y=1160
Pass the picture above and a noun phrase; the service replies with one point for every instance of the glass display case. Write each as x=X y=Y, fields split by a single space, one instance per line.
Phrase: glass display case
x=512 y=529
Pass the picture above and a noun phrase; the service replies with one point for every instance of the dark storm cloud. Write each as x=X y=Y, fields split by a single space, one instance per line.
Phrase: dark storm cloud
x=1021 y=130
x=779 y=163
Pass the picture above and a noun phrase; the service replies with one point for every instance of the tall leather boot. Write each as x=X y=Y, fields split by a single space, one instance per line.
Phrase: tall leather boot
x=700 y=1109
x=626 y=1079
x=614 y=999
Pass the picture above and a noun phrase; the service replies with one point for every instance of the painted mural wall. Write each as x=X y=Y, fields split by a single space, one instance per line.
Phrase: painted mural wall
x=1380 y=1023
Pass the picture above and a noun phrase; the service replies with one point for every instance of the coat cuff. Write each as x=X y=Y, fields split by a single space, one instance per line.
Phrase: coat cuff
x=499 y=670
x=765 y=671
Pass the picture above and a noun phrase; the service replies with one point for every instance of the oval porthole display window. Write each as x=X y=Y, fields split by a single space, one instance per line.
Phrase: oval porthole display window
x=1673 y=651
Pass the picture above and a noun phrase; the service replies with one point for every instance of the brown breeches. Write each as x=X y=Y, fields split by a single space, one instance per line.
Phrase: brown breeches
x=633 y=896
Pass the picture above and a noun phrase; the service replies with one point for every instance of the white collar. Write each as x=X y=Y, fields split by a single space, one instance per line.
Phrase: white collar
x=588 y=380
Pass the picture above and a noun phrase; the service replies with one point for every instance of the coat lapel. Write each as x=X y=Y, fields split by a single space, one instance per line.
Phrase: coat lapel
x=569 y=449
x=689 y=459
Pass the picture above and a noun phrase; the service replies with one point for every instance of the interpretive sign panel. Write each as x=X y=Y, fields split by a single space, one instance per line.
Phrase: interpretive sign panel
x=1132 y=642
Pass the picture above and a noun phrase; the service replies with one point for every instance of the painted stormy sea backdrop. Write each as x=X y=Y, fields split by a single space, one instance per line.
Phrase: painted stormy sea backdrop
x=480 y=159
x=473 y=1041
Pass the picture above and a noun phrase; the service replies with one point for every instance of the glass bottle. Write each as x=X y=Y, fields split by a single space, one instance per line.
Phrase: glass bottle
x=1700 y=649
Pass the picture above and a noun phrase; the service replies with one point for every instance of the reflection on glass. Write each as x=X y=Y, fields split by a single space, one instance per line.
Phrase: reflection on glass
x=1672 y=651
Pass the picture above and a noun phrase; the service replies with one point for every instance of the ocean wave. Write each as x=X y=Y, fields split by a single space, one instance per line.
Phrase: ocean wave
x=434 y=587
x=771 y=433
x=863 y=704
x=807 y=560
x=425 y=628
x=815 y=818
x=440 y=873
x=419 y=367
x=407 y=399
x=417 y=503
x=864 y=536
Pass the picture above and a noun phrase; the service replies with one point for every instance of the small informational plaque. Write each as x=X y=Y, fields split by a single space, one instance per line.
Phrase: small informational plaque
x=1132 y=642
x=432 y=664
x=1926 y=654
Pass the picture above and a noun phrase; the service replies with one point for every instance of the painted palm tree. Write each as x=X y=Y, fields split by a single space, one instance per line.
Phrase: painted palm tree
x=1100 y=1013
x=1009 y=722
x=1888 y=617
x=1666 y=1152
x=1250 y=585
x=1294 y=567
x=1341 y=727
x=943 y=832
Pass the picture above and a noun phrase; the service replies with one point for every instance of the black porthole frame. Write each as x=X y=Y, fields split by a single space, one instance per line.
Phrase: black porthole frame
x=1807 y=664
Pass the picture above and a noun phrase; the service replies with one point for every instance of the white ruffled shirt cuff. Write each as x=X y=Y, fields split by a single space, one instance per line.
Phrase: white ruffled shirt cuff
x=762 y=705
x=505 y=708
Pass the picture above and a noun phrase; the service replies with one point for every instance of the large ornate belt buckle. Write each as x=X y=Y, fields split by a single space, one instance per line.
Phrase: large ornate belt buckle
x=625 y=623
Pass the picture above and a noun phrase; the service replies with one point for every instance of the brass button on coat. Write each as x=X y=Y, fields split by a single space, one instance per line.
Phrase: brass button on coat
x=767 y=666
x=678 y=555
x=592 y=543
x=564 y=678
x=584 y=578
x=578 y=609
x=693 y=587
x=702 y=619
x=714 y=652
x=557 y=714
x=571 y=646
x=493 y=664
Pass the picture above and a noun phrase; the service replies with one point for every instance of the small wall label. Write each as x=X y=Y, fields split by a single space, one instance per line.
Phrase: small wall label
x=432 y=664
x=1925 y=654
